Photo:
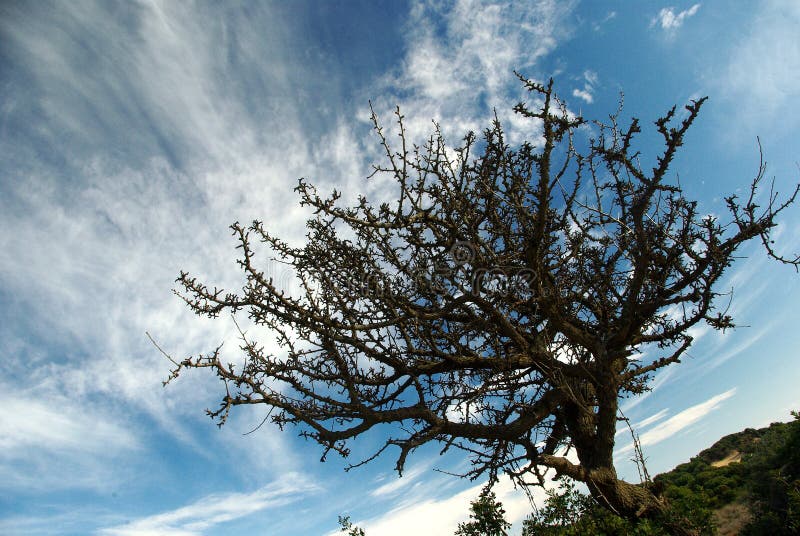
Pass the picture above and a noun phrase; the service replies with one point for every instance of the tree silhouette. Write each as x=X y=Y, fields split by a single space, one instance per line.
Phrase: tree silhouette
x=500 y=305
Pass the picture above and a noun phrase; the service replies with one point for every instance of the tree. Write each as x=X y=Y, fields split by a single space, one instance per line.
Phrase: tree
x=568 y=512
x=774 y=481
x=487 y=517
x=500 y=305
x=345 y=525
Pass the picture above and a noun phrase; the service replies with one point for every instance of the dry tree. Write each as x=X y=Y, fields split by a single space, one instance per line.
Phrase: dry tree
x=499 y=305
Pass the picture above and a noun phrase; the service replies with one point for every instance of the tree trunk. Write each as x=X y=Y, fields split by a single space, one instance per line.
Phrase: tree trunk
x=635 y=502
x=593 y=437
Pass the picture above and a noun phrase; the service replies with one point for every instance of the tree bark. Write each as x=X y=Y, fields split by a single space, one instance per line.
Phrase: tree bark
x=635 y=502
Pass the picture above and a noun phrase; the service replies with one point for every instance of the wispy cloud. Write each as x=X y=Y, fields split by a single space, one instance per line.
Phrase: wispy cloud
x=155 y=153
x=644 y=423
x=49 y=443
x=212 y=510
x=57 y=425
x=441 y=516
x=149 y=159
x=722 y=352
x=598 y=25
x=651 y=419
x=670 y=21
x=458 y=74
x=583 y=94
x=428 y=510
x=73 y=521
x=587 y=93
x=758 y=79
x=680 y=421
x=396 y=483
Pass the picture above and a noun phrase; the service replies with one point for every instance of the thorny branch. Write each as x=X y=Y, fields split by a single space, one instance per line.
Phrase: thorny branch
x=498 y=305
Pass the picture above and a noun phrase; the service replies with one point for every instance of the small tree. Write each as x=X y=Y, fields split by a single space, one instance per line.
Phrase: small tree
x=487 y=517
x=498 y=306
x=345 y=525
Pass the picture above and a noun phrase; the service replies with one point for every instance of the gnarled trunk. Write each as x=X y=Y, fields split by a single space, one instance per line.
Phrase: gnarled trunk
x=593 y=436
x=635 y=502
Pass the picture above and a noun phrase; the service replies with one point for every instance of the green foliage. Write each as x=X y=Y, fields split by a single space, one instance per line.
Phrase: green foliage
x=702 y=484
x=348 y=527
x=568 y=512
x=561 y=509
x=774 y=481
x=696 y=507
x=766 y=481
x=487 y=517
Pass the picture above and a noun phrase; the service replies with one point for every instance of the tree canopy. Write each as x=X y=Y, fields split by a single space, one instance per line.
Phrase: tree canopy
x=502 y=304
x=487 y=517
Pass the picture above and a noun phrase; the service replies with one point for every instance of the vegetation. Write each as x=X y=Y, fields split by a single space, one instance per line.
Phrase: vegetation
x=487 y=517
x=773 y=480
x=347 y=526
x=764 y=486
x=568 y=512
x=498 y=305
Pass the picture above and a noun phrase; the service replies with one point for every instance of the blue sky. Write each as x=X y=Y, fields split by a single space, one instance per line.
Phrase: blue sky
x=133 y=133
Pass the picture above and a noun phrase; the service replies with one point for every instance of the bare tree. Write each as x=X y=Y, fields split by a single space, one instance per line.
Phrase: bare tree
x=500 y=306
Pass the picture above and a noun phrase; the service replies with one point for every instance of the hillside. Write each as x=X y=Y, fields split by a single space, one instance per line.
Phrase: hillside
x=749 y=482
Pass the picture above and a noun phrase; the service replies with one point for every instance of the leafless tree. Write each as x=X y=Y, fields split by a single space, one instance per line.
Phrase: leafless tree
x=501 y=305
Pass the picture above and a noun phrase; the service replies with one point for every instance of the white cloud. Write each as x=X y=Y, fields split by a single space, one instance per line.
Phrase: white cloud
x=587 y=93
x=456 y=75
x=651 y=419
x=759 y=80
x=644 y=423
x=212 y=510
x=598 y=25
x=680 y=421
x=28 y=422
x=427 y=511
x=73 y=521
x=583 y=94
x=722 y=352
x=441 y=516
x=49 y=442
x=91 y=259
x=164 y=150
x=397 y=483
x=670 y=21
